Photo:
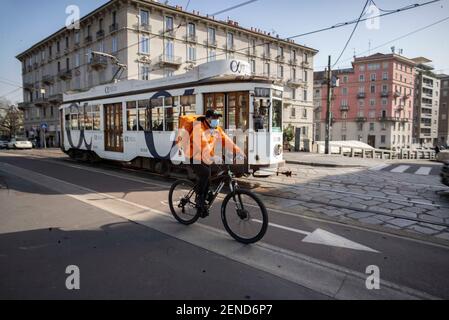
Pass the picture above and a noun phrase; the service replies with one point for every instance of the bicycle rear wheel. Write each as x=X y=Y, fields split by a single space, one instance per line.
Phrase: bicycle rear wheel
x=181 y=199
x=244 y=216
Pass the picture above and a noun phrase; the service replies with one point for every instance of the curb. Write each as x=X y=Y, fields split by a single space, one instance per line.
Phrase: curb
x=328 y=165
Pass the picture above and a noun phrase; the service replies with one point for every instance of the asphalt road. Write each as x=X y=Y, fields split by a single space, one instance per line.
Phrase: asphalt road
x=124 y=251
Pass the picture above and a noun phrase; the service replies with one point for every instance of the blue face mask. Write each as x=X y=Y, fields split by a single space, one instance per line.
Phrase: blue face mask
x=214 y=123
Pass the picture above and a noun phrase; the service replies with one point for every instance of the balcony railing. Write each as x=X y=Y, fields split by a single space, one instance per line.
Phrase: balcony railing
x=41 y=101
x=211 y=43
x=295 y=82
x=169 y=60
x=144 y=27
x=293 y=62
x=344 y=108
x=113 y=27
x=171 y=33
x=384 y=94
x=191 y=38
x=280 y=58
x=65 y=74
x=266 y=56
x=98 y=62
x=88 y=39
x=361 y=119
x=28 y=85
x=55 y=98
x=305 y=64
x=100 y=34
x=389 y=119
x=48 y=79
x=361 y=95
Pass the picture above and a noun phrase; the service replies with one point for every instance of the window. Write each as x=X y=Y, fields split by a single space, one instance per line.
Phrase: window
x=192 y=54
x=293 y=112
x=58 y=46
x=114 y=45
x=74 y=125
x=131 y=117
x=266 y=50
x=145 y=45
x=211 y=55
x=169 y=49
x=280 y=52
x=371 y=127
x=373 y=77
x=253 y=66
x=191 y=30
x=305 y=76
x=230 y=40
x=114 y=17
x=188 y=105
x=168 y=73
x=66 y=42
x=144 y=18
x=372 y=102
x=361 y=77
x=385 y=76
x=383 y=139
x=67 y=63
x=345 y=79
x=266 y=69
x=384 y=102
x=143 y=107
x=100 y=25
x=360 y=126
x=157 y=114
x=168 y=24
x=305 y=95
x=362 y=68
x=384 y=88
x=373 y=89
x=276 y=124
x=50 y=50
x=344 y=91
x=280 y=72
x=304 y=113
x=77 y=60
x=171 y=107
x=211 y=35
x=144 y=72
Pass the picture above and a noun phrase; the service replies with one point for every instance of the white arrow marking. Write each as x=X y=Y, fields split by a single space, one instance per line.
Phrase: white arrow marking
x=324 y=237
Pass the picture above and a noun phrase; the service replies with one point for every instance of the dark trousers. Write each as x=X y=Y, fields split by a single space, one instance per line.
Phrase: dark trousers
x=203 y=173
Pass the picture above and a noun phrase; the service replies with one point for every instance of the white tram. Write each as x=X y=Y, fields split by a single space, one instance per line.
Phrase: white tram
x=136 y=121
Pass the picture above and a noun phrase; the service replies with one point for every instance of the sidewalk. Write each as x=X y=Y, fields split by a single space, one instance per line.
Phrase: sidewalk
x=324 y=160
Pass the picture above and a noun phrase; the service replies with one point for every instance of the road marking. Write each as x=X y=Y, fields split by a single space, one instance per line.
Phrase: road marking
x=425 y=171
x=380 y=167
x=400 y=169
x=323 y=237
x=318 y=275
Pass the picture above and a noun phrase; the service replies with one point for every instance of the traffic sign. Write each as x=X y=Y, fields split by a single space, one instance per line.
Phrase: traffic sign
x=44 y=126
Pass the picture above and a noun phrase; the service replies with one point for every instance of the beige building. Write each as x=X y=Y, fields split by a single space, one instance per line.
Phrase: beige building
x=154 y=41
x=443 y=123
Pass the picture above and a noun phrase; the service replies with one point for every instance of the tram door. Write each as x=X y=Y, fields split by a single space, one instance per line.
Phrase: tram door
x=113 y=127
x=235 y=108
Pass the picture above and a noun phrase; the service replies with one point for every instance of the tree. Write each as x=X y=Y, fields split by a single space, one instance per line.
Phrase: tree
x=11 y=120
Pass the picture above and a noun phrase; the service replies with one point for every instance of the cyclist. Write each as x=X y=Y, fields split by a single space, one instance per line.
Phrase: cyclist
x=204 y=154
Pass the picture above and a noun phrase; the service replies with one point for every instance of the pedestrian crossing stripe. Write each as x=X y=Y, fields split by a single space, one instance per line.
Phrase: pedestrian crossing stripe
x=422 y=171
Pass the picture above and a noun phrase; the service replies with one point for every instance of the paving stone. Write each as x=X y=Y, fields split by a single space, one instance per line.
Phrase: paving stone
x=405 y=213
x=391 y=226
x=444 y=235
x=371 y=220
x=391 y=206
x=442 y=213
x=360 y=215
x=427 y=218
x=383 y=217
x=371 y=202
x=339 y=203
x=433 y=226
x=379 y=209
x=423 y=230
x=402 y=223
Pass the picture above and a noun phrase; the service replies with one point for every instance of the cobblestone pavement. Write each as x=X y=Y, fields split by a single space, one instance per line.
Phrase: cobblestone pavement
x=400 y=201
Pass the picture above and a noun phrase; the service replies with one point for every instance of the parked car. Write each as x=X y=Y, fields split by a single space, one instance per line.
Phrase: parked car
x=445 y=174
x=33 y=142
x=3 y=144
x=20 y=143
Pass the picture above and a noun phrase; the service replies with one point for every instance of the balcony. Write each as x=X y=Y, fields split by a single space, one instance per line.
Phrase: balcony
x=35 y=65
x=143 y=27
x=266 y=56
x=55 y=98
x=251 y=53
x=28 y=86
x=88 y=39
x=361 y=119
x=100 y=34
x=65 y=74
x=98 y=62
x=344 y=108
x=384 y=94
x=293 y=62
x=306 y=64
x=41 y=102
x=296 y=83
x=170 y=33
x=280 y=59
x=191 y=38
x=170 y=61
x=211 y=43
x=48 y=79
x=397 y=94
x=113 y=27
x=389 y=119
x=361 y=95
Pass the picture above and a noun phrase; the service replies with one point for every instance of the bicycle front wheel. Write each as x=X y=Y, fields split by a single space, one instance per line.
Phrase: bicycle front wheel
x=181 y=199
x=244 y=216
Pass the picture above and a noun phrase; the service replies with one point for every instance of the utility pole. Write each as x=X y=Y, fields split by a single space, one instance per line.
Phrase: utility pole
x=328 y=111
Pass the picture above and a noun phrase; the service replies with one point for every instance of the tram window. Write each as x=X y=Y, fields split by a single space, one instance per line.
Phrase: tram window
x=96 y=117
x=131 y=117
x=188 y=105
x=277 y=116
x=88 y=122
x=67 y=121
x=171 y=118
x=143 y=106
x=74 y=121
x=261 y=115
x=81 y=118
x=157 y=119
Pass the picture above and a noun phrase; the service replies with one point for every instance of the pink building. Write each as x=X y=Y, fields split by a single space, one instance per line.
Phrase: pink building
x=374 y=102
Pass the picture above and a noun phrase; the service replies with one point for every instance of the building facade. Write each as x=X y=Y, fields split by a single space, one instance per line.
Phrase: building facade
x=443 y=122
x=156 y=40
x=427 y=104
x=373 y=103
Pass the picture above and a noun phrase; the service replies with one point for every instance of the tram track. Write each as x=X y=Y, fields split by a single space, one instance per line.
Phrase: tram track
x=251 y=183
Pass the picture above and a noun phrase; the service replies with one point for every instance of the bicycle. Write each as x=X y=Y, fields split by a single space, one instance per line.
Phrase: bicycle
x=248 y=213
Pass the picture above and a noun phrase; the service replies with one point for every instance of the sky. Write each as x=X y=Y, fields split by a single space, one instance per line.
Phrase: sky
x=25 y=22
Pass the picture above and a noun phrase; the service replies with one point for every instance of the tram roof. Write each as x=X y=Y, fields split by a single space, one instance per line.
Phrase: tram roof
x=211 y=72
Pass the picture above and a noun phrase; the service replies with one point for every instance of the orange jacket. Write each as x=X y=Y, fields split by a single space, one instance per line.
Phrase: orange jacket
x=198 y=141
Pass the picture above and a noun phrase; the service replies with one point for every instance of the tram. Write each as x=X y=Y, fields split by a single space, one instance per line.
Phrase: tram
x=136 y=121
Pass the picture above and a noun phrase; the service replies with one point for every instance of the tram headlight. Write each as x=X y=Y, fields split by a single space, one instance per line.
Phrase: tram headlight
x=277 y=150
